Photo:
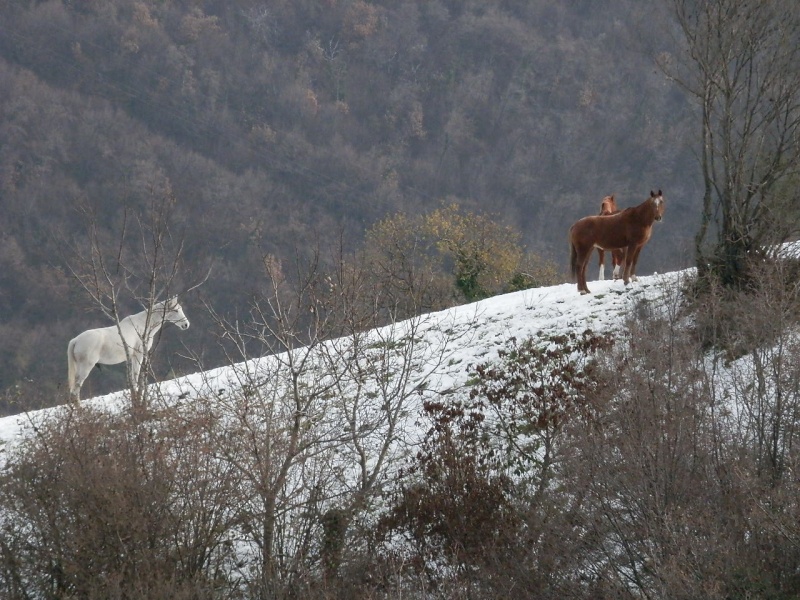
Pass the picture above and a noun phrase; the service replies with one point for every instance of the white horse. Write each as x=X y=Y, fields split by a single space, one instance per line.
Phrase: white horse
x=132 y=339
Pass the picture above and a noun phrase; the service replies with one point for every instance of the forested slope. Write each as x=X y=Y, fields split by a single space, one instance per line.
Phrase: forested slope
x=276 y=126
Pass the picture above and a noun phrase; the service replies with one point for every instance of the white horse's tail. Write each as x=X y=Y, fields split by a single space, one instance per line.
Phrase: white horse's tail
x=70 y=366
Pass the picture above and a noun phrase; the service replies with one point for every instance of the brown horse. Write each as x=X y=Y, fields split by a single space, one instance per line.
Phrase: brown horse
x=628 y=229
x=609 y=207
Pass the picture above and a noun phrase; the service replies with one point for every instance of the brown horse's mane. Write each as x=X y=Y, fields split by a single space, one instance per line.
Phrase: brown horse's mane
x=608 y=206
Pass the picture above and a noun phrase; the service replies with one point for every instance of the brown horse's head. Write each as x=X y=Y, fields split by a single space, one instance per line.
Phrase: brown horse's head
x=658 y=201
x=608 y=206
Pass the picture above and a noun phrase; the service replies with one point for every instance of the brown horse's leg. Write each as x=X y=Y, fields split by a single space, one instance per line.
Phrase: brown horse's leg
x=630 y=253
x=619 y=271
x=617 y=262
x=634 y=261
x=631 y=258
x=602 y=273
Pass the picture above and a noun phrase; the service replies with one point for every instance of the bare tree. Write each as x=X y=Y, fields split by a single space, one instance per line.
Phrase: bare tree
x=142 y=261
x=758 y=332
x=742 y=66
x=315 y=415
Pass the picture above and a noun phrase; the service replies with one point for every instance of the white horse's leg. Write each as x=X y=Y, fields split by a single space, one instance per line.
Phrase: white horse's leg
x=82 y=371
x=601 y=275
x=617 y=273
x=135 y=366
x=137 y=360
x=75 y=390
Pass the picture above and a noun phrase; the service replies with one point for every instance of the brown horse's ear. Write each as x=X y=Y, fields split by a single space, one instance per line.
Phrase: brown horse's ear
x=652 y=194
x=659 y=193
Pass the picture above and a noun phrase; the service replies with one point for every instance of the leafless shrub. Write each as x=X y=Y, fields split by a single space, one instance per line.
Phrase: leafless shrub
x=483 y=511
x=97 y=505
x=680 y=503
x=734 y=321
x=315 y=420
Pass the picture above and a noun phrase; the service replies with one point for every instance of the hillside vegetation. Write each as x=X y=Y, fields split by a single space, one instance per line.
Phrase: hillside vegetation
x=276 y=127
x=495 y=450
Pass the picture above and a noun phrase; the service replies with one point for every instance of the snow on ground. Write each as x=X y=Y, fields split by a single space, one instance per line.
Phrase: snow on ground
x=475 y=332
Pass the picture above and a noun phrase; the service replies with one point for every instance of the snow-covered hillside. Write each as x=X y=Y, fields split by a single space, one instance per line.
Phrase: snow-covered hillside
x=460 y=337
x=284 y=464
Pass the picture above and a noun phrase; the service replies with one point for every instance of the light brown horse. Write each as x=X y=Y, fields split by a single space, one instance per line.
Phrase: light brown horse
x=628 y=229
x=609 y=207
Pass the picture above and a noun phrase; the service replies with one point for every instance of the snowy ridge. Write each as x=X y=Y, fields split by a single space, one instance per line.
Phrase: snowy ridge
x=454 y=340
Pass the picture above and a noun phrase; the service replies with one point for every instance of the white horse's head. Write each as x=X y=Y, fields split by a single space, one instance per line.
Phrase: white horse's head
x=173 y=313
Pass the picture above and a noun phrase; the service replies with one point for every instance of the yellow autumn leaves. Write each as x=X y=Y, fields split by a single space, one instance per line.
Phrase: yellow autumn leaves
x=454 y=252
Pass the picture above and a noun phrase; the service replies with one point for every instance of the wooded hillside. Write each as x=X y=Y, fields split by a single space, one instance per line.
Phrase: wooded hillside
x=280 y=125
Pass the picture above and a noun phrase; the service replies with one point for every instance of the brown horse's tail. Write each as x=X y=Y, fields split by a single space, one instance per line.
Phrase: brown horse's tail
x=573 y=258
